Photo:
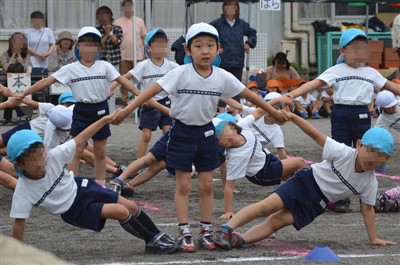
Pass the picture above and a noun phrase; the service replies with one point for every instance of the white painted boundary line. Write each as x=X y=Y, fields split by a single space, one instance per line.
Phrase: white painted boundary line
x=249 y=259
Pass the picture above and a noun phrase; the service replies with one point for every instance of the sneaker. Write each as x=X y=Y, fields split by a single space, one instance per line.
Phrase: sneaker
x=315 y=115
x=205 y=240
x=222 y=238
x=127 y=190
x=303 y=114
x=186 y=243
x=237 y=241
x=161 y=244
x=343 y=206
x=379 y=206
x=391 y=206
x=170 y=174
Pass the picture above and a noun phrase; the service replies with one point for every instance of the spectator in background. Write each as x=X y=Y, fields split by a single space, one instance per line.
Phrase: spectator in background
x=281 y=68
x=15 y=60
x=126 y=23
x=63 y=54
x=396 y=36
x=41 y=42
x=232 y=30
x=111 y=42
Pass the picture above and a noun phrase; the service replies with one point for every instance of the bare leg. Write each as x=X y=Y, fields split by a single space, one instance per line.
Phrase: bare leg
x=149 y=173
x=7 y=180
x=182 y=192
x=99 y=148
x=205 y=184
x=144 y=142
x=291 y=165
x=136 y=165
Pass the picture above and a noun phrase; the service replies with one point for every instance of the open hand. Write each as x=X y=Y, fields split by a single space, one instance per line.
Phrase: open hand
x=381 y=242
x=226 y=216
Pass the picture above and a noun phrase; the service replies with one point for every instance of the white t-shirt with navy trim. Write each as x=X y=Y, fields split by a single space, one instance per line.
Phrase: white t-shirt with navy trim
x=240 y=161
x=146 y=73
x=352 y=86
x=88 y=84
x=305 y=102
x=39 y=124
x=266 y=133
x=28 y=192
x=194 y=97
x=343 y=159
x=387 y=121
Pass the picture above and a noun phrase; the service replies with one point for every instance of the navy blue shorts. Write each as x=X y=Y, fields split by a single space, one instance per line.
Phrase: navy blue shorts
x=349 y=123
x=7 y=135
x=303 y=197
x=151 y=118
x=159 y=149
x=189 y=145
x=270 y=174
x=86 y=114
x=85 y=212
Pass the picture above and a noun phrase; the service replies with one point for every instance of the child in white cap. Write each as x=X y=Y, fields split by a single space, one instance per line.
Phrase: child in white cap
x=88 y=79
x=44 y=182
x=345 y=171
x=195 y=89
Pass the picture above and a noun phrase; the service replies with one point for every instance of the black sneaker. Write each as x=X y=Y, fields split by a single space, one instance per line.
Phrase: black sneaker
x=161 y=244
x=222 y=237
x=236 y=240
x=343 y=206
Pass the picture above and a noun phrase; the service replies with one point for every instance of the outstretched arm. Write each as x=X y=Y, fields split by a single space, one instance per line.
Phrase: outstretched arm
x=307 y=87
x=39 y=85
x=232 y=103
x=392 y=87
x=369 y=221
x=306 y=127
x=18 y=229
x=228 y=200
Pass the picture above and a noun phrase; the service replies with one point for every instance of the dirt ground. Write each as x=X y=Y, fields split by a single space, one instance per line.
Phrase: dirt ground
x=343 y=233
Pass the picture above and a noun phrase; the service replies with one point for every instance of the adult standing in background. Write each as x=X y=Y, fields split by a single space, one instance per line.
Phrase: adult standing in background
x=41 y=41
x=127 y=45
x=396 y=36
x=111 y=39
x=232 y=30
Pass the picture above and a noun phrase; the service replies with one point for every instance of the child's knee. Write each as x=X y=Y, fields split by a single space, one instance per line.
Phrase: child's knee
x=184 y=186
x=206 y=186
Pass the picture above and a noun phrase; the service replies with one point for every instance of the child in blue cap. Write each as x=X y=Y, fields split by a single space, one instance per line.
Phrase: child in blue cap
x=195 y=89
x=145 y=74
x=354 y=84
x=345 y=171
x=44 y=182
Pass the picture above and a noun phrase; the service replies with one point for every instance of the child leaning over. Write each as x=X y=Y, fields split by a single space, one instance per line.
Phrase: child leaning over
x=45 y=182
x=343 y=172
x=195 y=89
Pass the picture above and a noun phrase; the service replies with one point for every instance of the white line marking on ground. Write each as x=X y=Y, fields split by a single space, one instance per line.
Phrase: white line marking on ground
x=249 y=259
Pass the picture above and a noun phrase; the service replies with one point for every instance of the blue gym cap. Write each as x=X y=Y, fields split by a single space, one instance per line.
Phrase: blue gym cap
x=378 y=138
x=197 y=29
x=19 y=142
x=349 y=35
x=66 y=97
x=85 y=31
x=220 y=121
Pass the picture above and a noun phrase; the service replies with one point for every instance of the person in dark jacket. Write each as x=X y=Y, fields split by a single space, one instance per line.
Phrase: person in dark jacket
x=231 y=30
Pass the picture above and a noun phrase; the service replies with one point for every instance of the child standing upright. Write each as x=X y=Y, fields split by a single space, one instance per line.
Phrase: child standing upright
x=146 y=73
x=195 y=89
x=353 y=85
x=88 y=79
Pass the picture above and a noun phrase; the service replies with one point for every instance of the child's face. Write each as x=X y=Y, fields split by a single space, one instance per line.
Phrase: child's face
x=370 y=158
x=34 y=163
x=268 y=119
x=273 y=89
x=356 y=53
x=203 y=50
x=391 y=110
x=329 y=91
x=88 y=50
x=227 y=136
x=158 y=48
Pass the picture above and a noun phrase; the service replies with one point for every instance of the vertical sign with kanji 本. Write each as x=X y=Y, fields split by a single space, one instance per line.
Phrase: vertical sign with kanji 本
x=18 y=82
x=270 y=5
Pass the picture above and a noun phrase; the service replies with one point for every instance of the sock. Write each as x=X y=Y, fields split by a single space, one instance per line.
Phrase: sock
x=205 y=226
x=147 y=222
x=394 y=193
x=136 y=228
x=228 y=228
x=184 y=228
x=101 y=182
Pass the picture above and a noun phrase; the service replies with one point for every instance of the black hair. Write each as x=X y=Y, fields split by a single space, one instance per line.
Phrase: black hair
x=357 y=39
x=158 y=35
x=37 y=14
x=126 y=1
x=28 y=151
x=106 y=10
x=281 y=58
x=231 y=2
x=24 y=50
x=201 y=34
x=90 y=37
x=236 y=127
